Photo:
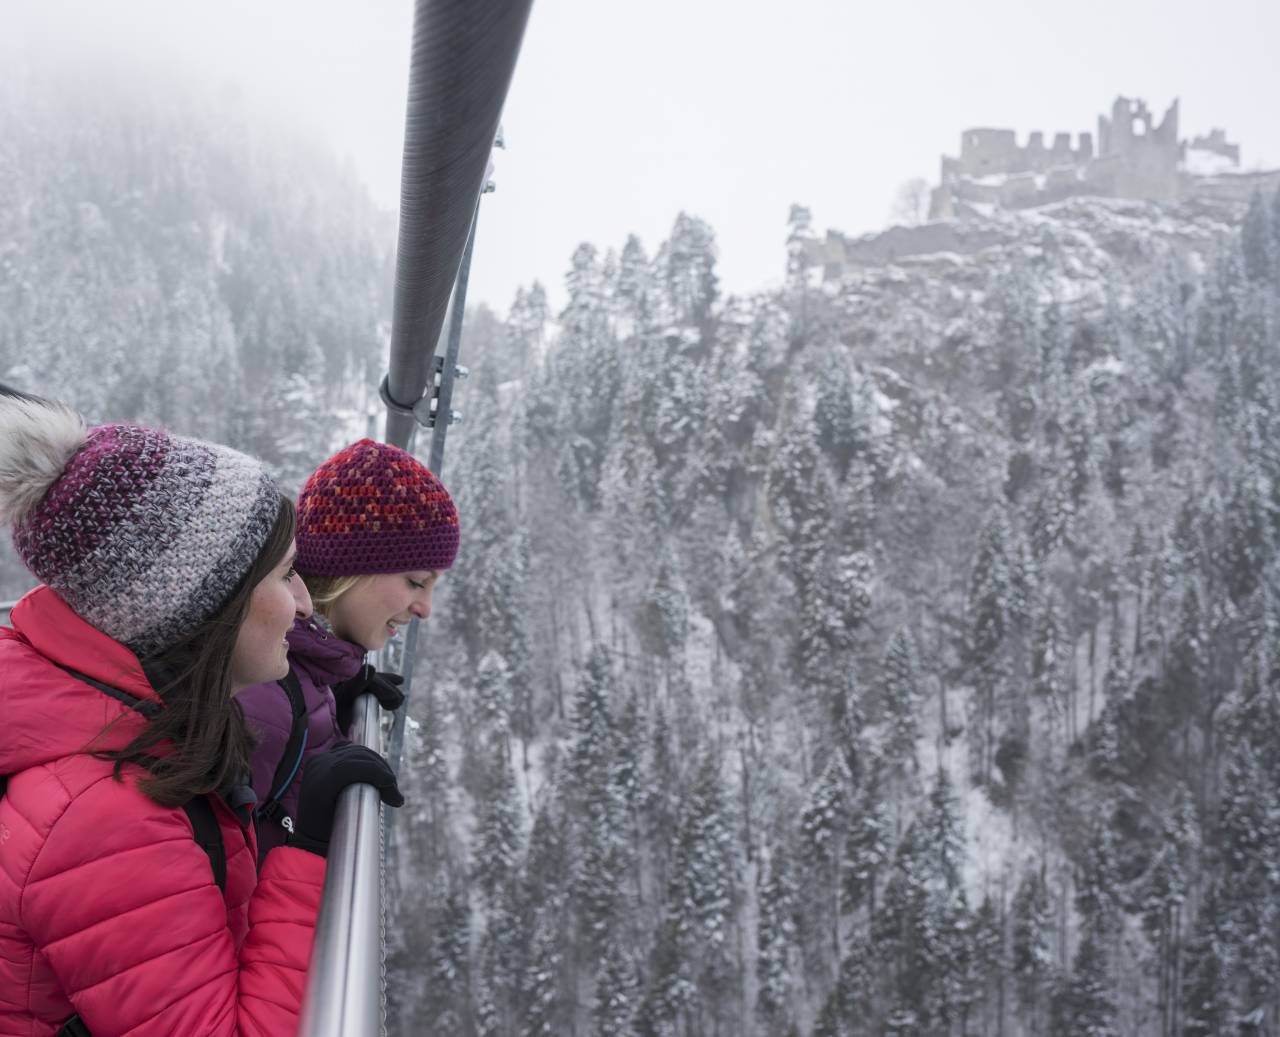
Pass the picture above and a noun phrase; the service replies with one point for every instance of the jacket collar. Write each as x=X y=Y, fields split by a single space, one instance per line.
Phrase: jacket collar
x=49 y=714
x=50 y=626
x=326 y=657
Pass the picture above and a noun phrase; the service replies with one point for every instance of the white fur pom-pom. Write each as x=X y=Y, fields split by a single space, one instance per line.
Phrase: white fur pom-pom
x=37 y=440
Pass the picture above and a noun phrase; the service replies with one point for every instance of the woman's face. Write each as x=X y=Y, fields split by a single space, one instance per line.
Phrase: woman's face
x=261 y=652
x=369 y=613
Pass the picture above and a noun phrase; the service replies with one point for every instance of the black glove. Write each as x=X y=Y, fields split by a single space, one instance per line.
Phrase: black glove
x=327 y=774
x=385 y=687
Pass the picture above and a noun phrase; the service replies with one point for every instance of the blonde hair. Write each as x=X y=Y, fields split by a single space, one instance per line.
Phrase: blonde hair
x=326 y=590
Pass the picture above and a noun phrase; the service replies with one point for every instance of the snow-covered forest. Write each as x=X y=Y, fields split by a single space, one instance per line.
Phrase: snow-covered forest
x=895 y=656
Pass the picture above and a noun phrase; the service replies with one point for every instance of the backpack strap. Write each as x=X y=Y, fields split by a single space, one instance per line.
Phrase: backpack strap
x=208 y=835
x=204 y=822
x=147 y=709
x=74 y=1027
x=295 y=748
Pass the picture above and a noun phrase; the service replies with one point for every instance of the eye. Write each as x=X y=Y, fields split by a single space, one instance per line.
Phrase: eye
x=416 y=585
x=290 y=574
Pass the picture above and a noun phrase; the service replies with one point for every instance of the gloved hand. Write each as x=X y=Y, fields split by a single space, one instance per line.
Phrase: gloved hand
x=327 y=774
x=385 y=687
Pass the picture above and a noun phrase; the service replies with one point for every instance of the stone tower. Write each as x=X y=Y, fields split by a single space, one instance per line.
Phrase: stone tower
x=1137 y=158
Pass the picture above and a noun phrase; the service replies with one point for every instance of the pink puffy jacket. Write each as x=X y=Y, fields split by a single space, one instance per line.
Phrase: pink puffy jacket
x=108 y=907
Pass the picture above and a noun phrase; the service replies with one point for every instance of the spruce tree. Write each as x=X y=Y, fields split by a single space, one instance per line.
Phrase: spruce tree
x=1163 y=894
x=595 y=807
x=985 y=979
x=842 y=417
x=775 y=939
x=799 y=241
x=1048 y=681
x=1086 y=1006
x=1248 y=534
x=1207 y=1003
x=449 y=970
x=617 y=994
x=988 y=620
x=686 y=270
x=702 y=892
x=1250 y=846
x=945 y=934
x=824 y=824
x=1256 y=240
x=539 y=989
x=903 y=692
x=1097 y=894
x=868 y=844
x=1032 y=956
x=497 y=840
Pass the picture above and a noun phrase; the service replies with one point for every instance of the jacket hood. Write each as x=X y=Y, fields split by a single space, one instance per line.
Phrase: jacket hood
x=326 y=658
x=49 y=714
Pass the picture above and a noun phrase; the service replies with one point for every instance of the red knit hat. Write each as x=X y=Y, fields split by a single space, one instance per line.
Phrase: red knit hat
x=374 y=508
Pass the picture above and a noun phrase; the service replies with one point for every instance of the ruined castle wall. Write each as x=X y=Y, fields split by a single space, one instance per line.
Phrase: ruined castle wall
x=901 y=242
x=1216 y=142
x=1232 y=187
x=988 y=152
x=1142 y=174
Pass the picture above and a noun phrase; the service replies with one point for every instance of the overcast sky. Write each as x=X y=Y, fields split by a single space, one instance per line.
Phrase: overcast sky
x=623 y=114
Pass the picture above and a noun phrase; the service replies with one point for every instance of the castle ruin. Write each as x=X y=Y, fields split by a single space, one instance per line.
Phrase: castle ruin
x=1132 y=157
x=1135 y=157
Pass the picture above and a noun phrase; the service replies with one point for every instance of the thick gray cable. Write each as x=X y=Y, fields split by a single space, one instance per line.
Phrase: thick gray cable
x=464 y=54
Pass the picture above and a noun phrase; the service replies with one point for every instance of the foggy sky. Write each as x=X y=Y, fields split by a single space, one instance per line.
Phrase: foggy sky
x=621 y=115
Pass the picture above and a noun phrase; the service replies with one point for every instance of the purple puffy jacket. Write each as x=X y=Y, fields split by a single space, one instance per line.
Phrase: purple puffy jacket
x=319 y=659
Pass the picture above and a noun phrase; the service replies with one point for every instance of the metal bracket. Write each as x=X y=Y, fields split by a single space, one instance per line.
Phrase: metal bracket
x=424 y=410
x=459 y=372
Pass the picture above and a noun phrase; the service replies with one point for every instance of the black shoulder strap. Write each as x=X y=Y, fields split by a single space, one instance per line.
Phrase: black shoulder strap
x=208 y=834
x=295 y=747
x=147 y=709
x=204 y=822
x=74 y=1027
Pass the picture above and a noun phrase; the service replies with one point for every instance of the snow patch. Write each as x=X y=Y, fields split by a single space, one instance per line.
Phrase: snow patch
x=1200 y=162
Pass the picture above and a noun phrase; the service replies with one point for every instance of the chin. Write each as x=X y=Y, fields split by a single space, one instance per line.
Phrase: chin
x=262 y=676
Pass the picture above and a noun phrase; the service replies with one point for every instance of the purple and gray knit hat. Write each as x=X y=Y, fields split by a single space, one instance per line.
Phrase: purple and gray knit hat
x=144 y=534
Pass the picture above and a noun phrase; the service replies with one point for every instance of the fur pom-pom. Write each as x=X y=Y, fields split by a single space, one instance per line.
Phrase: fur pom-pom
x=37 y=440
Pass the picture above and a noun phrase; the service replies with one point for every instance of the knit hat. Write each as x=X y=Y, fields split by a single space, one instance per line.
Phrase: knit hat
x=374 y=508
x=144 y=534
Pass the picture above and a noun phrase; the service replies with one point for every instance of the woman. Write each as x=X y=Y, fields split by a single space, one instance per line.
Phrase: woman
x=375 y=530
x=167 y=585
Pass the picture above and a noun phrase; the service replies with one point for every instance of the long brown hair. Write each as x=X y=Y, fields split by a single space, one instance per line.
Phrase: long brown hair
x=203 y=730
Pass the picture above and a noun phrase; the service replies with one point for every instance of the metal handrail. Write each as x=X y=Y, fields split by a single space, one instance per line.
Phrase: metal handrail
x=344 y=996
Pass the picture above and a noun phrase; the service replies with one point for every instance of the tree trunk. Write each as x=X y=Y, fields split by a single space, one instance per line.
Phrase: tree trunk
x=1093 y=671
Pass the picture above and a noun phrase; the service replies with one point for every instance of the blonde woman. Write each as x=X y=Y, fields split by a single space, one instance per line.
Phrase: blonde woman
x=375 y=530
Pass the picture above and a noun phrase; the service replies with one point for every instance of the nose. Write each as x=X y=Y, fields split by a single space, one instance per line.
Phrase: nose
x=421 y=604
x=301 y=598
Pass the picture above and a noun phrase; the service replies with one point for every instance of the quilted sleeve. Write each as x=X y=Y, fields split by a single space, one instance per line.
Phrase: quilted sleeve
x=122 y=903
